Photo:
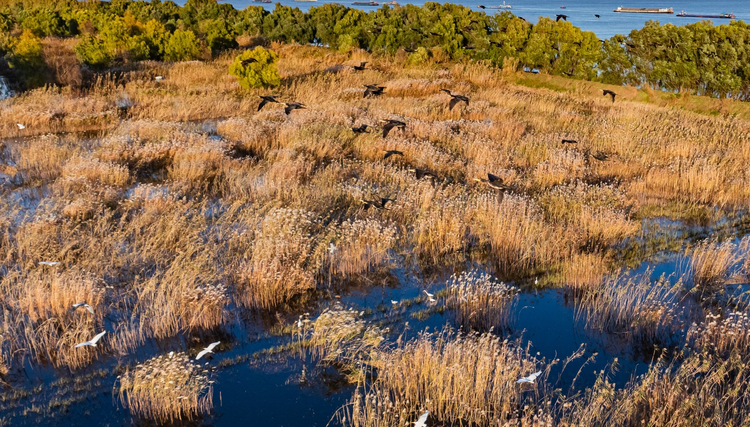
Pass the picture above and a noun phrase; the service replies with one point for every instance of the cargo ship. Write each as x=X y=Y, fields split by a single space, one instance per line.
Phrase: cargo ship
x=684 y=14
x=644 y=9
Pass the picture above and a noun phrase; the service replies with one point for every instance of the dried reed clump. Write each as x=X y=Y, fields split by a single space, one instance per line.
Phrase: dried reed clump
x=710 y=266
x=342 y=336
x=82 y=172
x=697 y=390
x=443 y=226
x=583 y=273
x=362 y=246
x=518 y=237
x=645 y=311
x=188 y=295
x=480 y=301
x=460 y=379
x=43 y=158
x=722 y=334
x=278 y=268
x=199 y=165
x=167 y=388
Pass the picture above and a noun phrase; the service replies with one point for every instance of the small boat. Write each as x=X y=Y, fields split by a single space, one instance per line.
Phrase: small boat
x=390 y=3
x=262 y=1
x=366 y=3
x=502 y=6
x=684 y=14
x=644 y=10
x=306 y=1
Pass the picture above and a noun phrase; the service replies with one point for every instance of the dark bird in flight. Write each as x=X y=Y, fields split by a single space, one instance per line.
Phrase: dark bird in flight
x=602 y=157
x=360 y=129
x=422 y=173
x=597 y=15
x=291 y=106
x=493 y=181
x=559 y=17
x=373 y=90
x=360 y=67
x=390 y=124
x=389 y=153
x=630 y=45
x=522 y=18
x=266 y=99
x=455 y=99
x=611 y=94
x=247 y=62
x=481 y=6
x=569 y=141
x=377 y=204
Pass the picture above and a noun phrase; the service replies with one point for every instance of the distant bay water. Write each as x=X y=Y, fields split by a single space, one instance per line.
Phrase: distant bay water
x=580 y=12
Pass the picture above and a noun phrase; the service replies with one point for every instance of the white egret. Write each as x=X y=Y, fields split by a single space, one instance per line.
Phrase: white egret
x=429 y=295
x=159 y=78
x=84 y=305
x=422 y=421
x=93 y=341
x=394 y=302
x=20 y=126
x=209 y=349
x=530 y=379
x=49 y=263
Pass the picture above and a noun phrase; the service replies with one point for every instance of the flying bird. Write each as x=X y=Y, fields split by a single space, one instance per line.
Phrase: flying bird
x=84 y=305
x=360 y=129
x=530 y=379
x=597 y=15
x=493 y=181
x=209 y=349
x=247 y=62
x=602 y=157
x=390 y=124
x=559 y=17
x=49 y=263
x=569 y=141
x=421 y=173
x=394 y=302
x=611 y=94
x=455 y=99
x=422 y=421
x=481 y=6
x=291 y=106
x=389 y=153
x=429 y=295
x=376 y=204
x=93 y=341
x=360 y=67
x=373 y=90
x=267 y=99
x=20 y=126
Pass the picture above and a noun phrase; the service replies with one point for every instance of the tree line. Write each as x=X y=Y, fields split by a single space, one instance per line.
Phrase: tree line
x=698 y=58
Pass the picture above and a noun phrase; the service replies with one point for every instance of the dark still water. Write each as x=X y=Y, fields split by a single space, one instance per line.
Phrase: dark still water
x=580 y=12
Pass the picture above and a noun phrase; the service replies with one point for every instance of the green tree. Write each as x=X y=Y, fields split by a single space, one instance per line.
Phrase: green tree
x=93 y=52
x=26 y=57
x=182 y=46
x=259 y=69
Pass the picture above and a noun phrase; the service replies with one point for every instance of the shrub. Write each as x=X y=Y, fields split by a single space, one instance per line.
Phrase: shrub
x=93 y=52
x=261 y=73
x=26 y=57
x=182 y=46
